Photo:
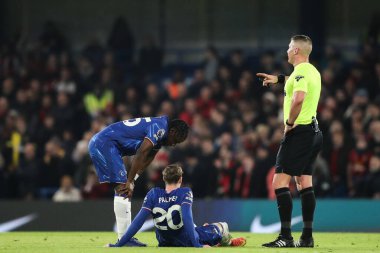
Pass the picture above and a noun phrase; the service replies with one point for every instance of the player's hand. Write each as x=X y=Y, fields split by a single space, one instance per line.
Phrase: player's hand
x=288 y=128
x=267 y=79
x=110 y=245
x=125 y=189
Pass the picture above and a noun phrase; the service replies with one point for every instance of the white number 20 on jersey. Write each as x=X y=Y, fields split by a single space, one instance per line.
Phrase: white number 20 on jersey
x=168 y=216
x=134 y=122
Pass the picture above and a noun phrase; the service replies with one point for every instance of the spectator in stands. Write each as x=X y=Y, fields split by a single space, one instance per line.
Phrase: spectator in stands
x=374 y=137
x=373 y=179
x=67 y=191
x=243 y=178
x=65 y=83
x=229 y=112
x=56 y=163
x=358 y=165
x=337 y=159
x=63 y=112
x=210 y=63
x=28 y=172
x=92 y=189
x=98 y=100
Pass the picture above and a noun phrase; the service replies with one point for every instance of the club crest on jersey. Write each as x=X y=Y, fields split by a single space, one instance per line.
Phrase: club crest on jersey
x=160 y=133
x=299 y=78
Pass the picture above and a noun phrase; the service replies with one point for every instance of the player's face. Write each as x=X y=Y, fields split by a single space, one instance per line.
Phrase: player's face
x=290 y=52
x=173 y=139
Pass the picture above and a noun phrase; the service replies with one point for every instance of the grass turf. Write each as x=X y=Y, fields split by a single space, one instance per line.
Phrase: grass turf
x=89 y=242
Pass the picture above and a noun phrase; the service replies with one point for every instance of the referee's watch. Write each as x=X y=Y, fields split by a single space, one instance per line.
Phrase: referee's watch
x=288 y=124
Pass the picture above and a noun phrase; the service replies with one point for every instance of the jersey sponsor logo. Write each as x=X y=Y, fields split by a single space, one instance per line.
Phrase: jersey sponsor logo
x=299 y=77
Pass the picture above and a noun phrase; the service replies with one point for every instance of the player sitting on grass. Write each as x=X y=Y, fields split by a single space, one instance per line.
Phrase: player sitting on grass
x=173 y=218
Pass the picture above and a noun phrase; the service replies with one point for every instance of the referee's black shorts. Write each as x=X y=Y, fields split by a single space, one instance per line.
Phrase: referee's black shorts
x=298 y=150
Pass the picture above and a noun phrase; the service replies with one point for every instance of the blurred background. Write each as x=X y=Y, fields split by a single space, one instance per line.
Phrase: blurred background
x=69 y=68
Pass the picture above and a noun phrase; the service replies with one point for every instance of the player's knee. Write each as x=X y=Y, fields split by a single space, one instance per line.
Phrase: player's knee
x=280 y=181
x=304 y=182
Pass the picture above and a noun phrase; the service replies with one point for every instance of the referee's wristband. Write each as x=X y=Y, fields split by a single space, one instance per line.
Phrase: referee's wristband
x=288 y=124
x=281 y=78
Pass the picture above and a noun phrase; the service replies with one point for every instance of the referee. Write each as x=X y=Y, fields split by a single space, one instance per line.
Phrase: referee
x=301 y=143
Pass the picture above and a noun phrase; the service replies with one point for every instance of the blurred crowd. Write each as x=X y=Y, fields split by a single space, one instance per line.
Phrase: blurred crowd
x=52 y=101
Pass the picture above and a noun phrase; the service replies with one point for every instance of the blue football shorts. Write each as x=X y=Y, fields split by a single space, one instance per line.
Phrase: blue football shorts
x=209 y=234
x=107 y=160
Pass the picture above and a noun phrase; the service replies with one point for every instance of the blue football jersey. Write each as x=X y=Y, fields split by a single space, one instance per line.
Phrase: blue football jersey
x=129 y=134
x=167 y=215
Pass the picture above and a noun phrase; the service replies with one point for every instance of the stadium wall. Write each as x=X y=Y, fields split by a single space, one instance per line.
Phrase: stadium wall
x=243 y=23
x=258 y=216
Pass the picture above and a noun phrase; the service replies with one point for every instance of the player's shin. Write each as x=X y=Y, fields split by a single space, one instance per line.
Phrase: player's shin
x=122 y=209
x=308 y=207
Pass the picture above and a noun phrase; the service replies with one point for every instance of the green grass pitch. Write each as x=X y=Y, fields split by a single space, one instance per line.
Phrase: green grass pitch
x=91 y=242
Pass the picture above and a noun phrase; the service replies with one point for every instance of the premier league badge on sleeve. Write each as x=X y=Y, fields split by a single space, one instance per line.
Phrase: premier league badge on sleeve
x=160 y=133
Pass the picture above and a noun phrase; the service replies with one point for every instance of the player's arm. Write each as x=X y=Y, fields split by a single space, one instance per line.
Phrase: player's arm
x=188 y=223
x=296 y=105
x=295 y=109
x=141 y=159
x=150 y=158
x=135 y=226
x=152 y=154
x=271 y=79
x=300 y=88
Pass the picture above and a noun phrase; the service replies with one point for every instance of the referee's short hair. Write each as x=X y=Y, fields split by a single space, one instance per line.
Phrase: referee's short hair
x=303 y=38
x=172 y=173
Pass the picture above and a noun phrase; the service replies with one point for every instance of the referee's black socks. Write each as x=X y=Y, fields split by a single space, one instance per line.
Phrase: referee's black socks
x=285 y=207
x=308 y=207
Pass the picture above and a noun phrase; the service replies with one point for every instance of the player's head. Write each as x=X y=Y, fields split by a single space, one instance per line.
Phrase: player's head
x=300 y=46
x=178 y=130
x=172 y=174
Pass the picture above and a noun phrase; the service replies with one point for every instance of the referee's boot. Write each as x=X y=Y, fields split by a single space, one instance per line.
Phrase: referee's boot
x=305 y=243
x=280 y=242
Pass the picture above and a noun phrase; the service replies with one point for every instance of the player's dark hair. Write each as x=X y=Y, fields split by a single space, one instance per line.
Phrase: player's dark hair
x=182 y=129
x=303 y=38
x=172 y=173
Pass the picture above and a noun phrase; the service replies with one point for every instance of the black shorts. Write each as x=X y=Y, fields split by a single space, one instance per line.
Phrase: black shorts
x=298 y=150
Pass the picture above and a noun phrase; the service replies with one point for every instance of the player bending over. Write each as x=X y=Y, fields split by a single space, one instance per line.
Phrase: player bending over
x=142 y=137
x=173 y=218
